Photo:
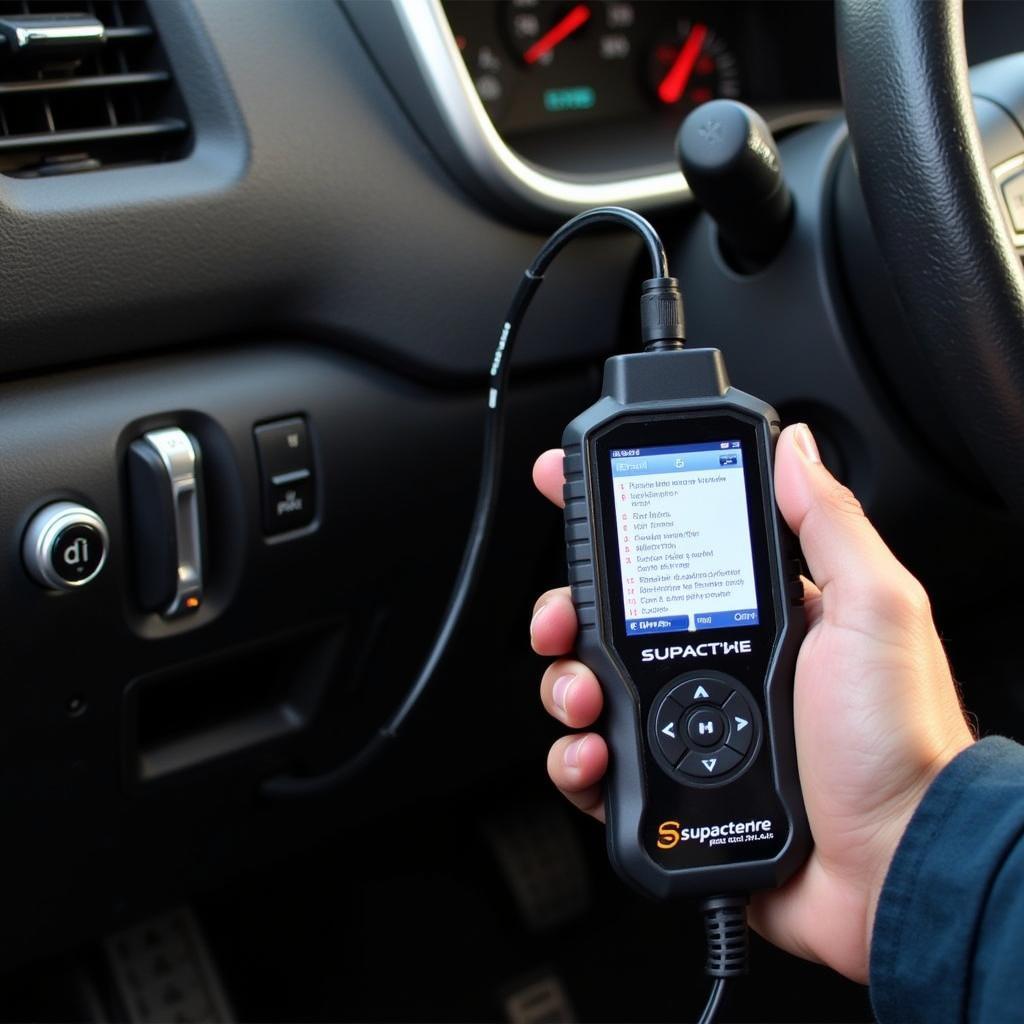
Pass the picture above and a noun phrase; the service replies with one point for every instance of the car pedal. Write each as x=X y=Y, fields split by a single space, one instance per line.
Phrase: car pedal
x=541 y=999
x=164 y=973
x=542 y=861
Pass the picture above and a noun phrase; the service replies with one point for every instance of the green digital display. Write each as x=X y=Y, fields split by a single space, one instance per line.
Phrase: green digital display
x=577 y=97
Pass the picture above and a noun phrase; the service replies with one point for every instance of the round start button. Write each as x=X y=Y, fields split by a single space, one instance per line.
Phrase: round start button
x=77 y=553
x=65 y=546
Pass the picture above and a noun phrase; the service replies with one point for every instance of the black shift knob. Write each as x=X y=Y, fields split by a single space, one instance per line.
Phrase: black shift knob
x=729 y=158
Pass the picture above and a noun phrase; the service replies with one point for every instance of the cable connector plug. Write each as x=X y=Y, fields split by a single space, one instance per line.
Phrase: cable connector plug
x=725 y=930
x=662 y=328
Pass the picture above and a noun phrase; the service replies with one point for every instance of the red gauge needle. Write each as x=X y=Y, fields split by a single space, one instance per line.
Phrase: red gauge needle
x=578 y=16
x=673 y=85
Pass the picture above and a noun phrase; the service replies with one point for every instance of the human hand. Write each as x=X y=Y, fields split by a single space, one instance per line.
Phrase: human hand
x=877 y=713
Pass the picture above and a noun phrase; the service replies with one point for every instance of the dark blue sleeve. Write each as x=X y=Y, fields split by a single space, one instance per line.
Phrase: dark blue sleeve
x=948 y=941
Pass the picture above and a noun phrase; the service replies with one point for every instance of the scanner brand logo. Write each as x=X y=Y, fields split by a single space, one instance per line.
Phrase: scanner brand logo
x=708 y=650
x=671 y=833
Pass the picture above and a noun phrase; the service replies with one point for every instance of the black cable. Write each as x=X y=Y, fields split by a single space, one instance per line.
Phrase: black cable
x=728 y=945
x=714 y=1001
x=592 y=218
x=661 y=326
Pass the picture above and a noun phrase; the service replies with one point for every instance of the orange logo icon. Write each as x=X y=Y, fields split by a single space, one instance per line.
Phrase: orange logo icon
x=668 y=835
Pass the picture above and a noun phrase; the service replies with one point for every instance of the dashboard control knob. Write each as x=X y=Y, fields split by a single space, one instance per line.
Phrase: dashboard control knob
x=730 y=161
x=65 y=546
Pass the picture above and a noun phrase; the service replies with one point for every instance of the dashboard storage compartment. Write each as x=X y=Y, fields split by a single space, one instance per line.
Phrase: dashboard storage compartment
x=200 y=712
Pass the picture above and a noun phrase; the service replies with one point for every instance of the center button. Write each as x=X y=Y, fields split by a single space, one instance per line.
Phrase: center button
x=706 y=727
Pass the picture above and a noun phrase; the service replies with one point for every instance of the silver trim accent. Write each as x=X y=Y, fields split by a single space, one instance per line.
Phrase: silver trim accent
x=43 y=31
x=430 y=39
x=176 y=452
x=999 y=174
x=46 y=526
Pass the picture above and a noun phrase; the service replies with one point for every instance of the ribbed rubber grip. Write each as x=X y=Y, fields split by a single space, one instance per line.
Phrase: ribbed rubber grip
x=725 y=931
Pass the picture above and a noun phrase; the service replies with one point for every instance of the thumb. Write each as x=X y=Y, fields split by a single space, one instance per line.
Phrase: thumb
x=860 y=578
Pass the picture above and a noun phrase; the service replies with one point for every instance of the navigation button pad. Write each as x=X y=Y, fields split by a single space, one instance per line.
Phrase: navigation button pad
x=704 y=729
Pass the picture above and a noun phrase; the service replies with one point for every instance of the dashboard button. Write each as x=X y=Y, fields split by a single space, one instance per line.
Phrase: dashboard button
x=290 y=504
x=287 y=475
x=702 y=691
x=65 y=546
x=283 y=447
x=77 y=554
x=709 y=764
x=706 y=727
x=668 y=730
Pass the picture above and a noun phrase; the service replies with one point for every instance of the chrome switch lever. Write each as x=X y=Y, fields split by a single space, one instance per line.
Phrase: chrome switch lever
x=163 y=471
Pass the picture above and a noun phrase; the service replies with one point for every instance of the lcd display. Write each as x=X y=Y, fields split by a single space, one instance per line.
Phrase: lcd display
x=683 y=537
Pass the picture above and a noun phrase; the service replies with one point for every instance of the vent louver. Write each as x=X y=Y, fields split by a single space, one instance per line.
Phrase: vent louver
x=84 y=85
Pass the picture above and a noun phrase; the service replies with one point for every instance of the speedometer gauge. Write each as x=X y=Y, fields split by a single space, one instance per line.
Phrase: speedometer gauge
x=536 y=29
x=691 y=66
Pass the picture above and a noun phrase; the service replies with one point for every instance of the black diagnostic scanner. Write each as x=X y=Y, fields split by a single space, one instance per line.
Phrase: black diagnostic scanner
x=689 y=601
x=690 y=612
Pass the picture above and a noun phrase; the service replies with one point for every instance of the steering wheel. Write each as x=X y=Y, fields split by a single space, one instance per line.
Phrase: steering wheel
x=929 y=195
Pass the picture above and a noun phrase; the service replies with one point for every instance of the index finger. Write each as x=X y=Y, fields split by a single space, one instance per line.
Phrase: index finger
x=548 y=476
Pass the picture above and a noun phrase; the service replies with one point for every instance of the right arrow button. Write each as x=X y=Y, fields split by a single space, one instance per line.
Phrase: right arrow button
x=740 y=719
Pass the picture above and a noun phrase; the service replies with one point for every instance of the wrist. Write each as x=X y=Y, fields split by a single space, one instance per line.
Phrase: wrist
x=897 y=821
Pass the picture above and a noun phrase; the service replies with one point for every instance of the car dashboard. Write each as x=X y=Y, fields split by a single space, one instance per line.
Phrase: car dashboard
x=282 y=236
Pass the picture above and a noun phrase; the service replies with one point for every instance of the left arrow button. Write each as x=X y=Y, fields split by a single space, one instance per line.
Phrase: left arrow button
x=667 y=730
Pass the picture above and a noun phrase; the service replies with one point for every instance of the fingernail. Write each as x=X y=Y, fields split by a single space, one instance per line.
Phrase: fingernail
x=805 y=442
x=572 y=752
x=560 y=691
x=534 y=619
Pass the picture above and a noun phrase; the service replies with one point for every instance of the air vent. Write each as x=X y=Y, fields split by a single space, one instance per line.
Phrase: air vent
x=84 y=86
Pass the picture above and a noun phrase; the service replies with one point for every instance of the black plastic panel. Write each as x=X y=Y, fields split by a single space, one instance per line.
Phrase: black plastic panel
x=309 y=203
x=134 y=746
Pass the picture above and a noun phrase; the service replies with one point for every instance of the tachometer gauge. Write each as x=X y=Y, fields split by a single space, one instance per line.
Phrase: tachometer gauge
x=691 y=66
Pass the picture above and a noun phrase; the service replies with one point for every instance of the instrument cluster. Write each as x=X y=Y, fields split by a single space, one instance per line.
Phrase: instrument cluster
x=574 y=84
